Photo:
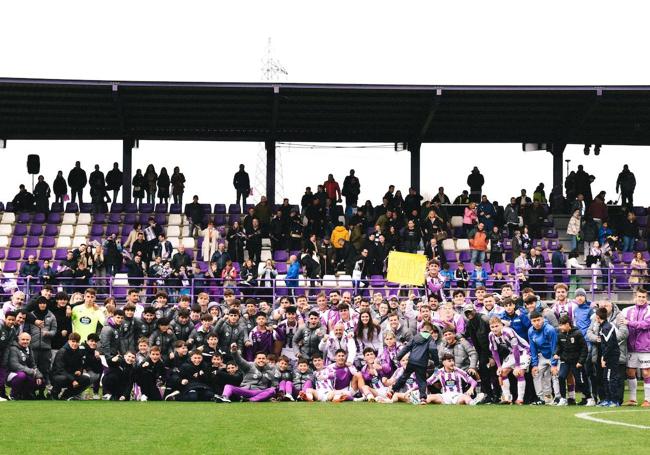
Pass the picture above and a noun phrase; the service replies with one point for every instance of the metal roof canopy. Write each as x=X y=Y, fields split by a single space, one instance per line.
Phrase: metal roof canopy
x=69 y=109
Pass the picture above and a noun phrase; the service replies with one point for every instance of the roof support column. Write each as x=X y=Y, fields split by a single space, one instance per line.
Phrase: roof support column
x=414 y=148
x=127 y=169
x=556 y=196
x=270 y=172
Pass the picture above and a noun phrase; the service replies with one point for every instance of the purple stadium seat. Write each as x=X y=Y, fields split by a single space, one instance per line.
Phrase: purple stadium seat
x=509 y=257
x=33 y=242
x=616 y=258
x=232 y=218
x=17 y=242
x=220 y=209
x=554 y=244
x=97 y=229
x=501 y=267
x=627 y=257
x=282 y=267
x=219 y=220
x=248 y=206
x=646 y=256
x=3 y=253
x=161 y=218
x=130 y=218
x=10 y=267
x=280 y=256
x=51 y=229
x=54 y=218
x=30 y=252
x=234 y=208
x=117 y=207
x=96 y=238
x=2 y=207
x=100 y=218
x=112 y=229
x=56 y=207
x=205 y=219
x=639 y=211
x=465 y=256
x=9 y=207
x=39 y=218
x=175 y=209
x=48 y=242
x=146 y=208
x=14 y=254
x=20 y=230
x=24 y=218
x=143 y=218
x=115 y=218
x=161 y=208
x=450 y=256
x=86 y=207
x=640 y=245
x=130 y=208
x=550 y=233
x=126 y=229
x=537 y=243
x=45 y=254
x=36 y=230
x=207 y=208
x=60 y=254
x=203 y=266
x=71 y=207
x=642 y=220
x=469 y=266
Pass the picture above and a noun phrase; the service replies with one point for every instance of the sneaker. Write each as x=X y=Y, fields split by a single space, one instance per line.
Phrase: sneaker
x=571 y=401
x=414 y=398
x=171 y=396
x=478 y=399
x=95 y=396
x=371 y=398
x=289 y=397
x=357 y=399
x=74 y=398
x=3 y=399
x=564 y=402
x=538 y=402
x=556 y=401
x=143 y=397
x=107 y=396
x=590 y=402
x=604 y=403
x=630 y=403
x=221 y=399
x=613 y=404
x=645 y=404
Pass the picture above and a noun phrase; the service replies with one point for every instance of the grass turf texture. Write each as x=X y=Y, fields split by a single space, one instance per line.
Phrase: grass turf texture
x=316 y=428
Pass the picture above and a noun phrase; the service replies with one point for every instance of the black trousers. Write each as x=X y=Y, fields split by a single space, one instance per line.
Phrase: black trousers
x=420 y=378
x=62 y=382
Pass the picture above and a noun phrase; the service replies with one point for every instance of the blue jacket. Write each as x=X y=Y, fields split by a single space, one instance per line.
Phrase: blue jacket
x=291 y=279
x=518 y=322
x=478 y=277
x=582 y=318
x=543 y=341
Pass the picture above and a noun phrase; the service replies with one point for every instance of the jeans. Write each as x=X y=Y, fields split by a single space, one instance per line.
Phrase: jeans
x=574 y=242
x=478 y=256
x=628 y=244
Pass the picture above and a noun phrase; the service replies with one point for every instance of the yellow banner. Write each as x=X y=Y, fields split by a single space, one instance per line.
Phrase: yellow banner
x=406 y=268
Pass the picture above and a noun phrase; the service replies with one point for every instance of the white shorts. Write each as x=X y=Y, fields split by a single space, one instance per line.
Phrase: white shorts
x=509 y=362
x=321 y=394
x=638 y=360
x=451 y=397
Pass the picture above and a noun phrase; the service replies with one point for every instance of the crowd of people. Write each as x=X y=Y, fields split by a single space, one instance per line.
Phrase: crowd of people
x=498 y=348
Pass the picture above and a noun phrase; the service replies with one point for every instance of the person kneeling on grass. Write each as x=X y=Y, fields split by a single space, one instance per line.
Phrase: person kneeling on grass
x=259 y=381
x=195 y=379
x=451 y=380
x=421 y=349
x=68 y=371
x=118 y=381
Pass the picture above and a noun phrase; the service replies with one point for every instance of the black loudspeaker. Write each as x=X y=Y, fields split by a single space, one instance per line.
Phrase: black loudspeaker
x=33 y=164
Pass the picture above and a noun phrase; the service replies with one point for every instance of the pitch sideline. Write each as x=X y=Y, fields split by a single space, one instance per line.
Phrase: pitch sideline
x=588 y=416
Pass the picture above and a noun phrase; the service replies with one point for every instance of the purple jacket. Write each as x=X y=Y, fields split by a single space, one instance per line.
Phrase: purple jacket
x=638 y=325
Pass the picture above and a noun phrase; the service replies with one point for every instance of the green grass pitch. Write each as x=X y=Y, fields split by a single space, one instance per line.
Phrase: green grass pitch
x=312 y=428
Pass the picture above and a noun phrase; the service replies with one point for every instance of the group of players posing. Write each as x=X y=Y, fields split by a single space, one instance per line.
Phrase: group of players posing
x=346 y=349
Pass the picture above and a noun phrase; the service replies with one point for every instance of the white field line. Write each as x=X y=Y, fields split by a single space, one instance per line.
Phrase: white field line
x=588 y=416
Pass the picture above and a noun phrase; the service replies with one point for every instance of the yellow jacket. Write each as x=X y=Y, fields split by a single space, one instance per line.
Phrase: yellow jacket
x=339 y=232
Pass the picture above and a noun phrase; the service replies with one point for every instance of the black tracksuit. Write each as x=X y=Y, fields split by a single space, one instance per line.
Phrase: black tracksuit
x=572 y=349
x=67 y=362
x=421 y=351
x=148 y=375
x=610 y=352
x=118 y=381
x=198 y=386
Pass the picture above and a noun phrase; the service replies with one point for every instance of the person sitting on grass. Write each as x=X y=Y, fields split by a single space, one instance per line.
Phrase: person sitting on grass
x=68 y=370
x=259 y=381
x=195 y=379
x=321 y=386
x=346 y=380
x=451 y=380
x=118 y=381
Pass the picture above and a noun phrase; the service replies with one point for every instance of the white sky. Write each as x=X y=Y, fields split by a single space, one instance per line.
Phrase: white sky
x=509 y=42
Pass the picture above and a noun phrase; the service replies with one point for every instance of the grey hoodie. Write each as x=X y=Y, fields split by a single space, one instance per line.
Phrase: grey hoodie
x=616 y=319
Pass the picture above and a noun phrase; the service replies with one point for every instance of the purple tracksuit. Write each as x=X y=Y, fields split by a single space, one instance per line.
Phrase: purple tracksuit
x=258 y=384
x=342 y=376
x=262 y=341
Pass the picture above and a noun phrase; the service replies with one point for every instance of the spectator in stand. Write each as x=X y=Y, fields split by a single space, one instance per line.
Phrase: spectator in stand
x=351 y=189
x=441 y=196
x=511 y=216
x=181 y=259
x=496 y=246
x=138 y=183
x=539 y=195
x=410 y=238
x=242 y=185
x=470 y=217
x=597 y=209
x=178 y=186
x=29 y=271
x=583 y=184
x=42 y=195
x=638 y=270
x=573 y=229
x=462 y=199
x=626 y=183
x=236 y=239
x=534 y=218
x=60 y=188
x=630 y=232
x=413 y=201
x=151 y=183
x=590 y=234
x=570 y=186
x=475 y=182
x=23 y=201
x=263 y=214
x=97 y=184
x=210 y=236
x=558 y=262
x=486 y=213
x=163 y=248
x=537 y=270
x=163 y=186
x=220 y=257
x=77 y=181
x=332 y=189
x=114 y=180
x=254 y=241
x=194 y=214
x=522 y=200
x=478 y=243
x=390 y=194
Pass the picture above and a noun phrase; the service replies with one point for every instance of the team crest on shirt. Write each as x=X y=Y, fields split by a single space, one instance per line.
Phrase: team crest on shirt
x=85 y=320
x=572 y=340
